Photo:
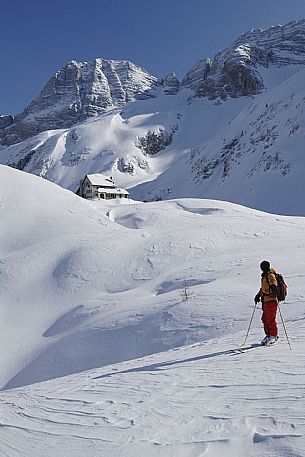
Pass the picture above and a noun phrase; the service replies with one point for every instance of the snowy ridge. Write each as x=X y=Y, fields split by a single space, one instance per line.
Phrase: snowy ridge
x=66 y=156
x=286 y=42
x=194 y=77
x=237 y=70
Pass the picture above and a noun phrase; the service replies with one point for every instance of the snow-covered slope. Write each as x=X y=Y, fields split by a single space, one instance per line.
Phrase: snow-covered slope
x=87 y=284
x=80 y=289
x=199 y=400
x=255 y=158
x=107 y=144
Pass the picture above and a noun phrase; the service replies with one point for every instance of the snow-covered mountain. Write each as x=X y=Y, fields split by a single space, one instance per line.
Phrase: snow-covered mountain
x=231 y=129
x=81 y=90
x=76 y=92
x=238 y=69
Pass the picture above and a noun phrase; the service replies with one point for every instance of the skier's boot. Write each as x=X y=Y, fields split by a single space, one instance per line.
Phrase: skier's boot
x=272 y=340
x=265 y=340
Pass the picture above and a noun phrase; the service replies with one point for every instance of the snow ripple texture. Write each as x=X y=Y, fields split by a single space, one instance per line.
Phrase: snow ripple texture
x=195 y=401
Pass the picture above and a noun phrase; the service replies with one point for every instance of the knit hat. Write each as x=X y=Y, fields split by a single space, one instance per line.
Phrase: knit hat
x=265 y=265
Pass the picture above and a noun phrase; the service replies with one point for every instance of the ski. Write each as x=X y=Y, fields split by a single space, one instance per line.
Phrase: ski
x=251 y=347
x=242 y=349
x=271 y=344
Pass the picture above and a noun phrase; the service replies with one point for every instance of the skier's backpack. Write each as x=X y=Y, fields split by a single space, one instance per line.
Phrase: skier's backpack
x=281 y=292
x=281 y=287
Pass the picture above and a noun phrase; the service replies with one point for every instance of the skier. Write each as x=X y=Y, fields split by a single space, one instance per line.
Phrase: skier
x=268 y=295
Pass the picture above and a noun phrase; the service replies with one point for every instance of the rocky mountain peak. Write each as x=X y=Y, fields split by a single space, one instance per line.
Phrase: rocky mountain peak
x=81 y=90
x=236 y=71
x=77 y=91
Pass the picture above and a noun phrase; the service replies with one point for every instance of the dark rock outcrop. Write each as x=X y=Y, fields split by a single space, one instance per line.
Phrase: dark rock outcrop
x=6 y=120
x=154 y=142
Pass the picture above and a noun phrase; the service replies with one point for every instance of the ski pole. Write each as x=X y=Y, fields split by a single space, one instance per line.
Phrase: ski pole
x=284 y=327
x=249 y=325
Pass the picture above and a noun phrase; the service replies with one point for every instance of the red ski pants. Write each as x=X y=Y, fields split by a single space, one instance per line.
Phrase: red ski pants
x=268 y=318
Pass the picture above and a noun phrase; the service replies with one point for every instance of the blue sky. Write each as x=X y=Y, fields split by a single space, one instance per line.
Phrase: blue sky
x=39 y=36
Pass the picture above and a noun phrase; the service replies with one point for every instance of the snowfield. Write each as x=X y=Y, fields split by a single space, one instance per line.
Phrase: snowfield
x=98 y=286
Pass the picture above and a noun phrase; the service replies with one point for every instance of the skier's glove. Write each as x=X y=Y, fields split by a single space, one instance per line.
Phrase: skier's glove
x=257 y=298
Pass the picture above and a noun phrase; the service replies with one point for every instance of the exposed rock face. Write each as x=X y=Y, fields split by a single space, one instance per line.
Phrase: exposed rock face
x=171 y=84
x=235 y=76
x=78 y=91
x=196 y=75
x=236 y=71
x=6 y=120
